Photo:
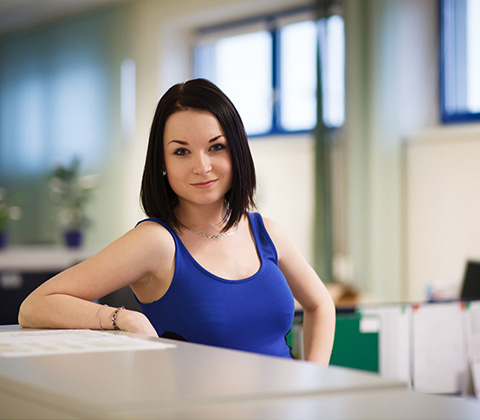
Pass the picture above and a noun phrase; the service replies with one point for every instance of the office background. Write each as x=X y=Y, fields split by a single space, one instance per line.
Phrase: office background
x=405 y=188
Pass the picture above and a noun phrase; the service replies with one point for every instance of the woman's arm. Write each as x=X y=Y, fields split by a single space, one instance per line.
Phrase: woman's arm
x=310 y=292
x=143 y=256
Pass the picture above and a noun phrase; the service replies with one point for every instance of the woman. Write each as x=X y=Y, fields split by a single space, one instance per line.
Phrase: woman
x=203 y=268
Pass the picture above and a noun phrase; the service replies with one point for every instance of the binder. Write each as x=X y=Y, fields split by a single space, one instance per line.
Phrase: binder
x=356 y=342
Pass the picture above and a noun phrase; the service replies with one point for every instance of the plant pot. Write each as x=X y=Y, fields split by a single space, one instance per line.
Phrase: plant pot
x=73 y=238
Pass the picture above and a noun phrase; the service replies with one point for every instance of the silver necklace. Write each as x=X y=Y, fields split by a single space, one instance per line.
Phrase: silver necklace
x=220 y=235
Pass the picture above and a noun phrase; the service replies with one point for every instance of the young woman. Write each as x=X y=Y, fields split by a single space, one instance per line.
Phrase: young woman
x=202 y=266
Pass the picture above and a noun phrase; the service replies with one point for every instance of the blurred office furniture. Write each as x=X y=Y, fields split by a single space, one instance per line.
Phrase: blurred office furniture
x=22 y=269
x=434 y=347
x=356 y=343
x=122 y=297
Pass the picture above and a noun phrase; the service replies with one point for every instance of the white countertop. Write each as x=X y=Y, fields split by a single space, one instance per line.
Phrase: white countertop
x=41 y=258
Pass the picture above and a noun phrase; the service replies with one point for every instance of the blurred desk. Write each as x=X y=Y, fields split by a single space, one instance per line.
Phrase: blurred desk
x=28 y=259
x=22 y=269
x=180 y=382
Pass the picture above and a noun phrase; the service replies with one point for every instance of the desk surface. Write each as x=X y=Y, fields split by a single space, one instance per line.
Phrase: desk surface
x=193 y=381
x=123 y=381
x=391 y=404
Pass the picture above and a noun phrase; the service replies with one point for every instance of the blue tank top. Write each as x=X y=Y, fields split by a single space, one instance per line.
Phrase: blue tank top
x=252 y=314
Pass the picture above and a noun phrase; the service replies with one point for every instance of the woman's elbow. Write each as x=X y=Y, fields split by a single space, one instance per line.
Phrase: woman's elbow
x=24 y=313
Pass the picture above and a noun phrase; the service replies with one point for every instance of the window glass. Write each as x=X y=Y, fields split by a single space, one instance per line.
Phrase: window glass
x=241 y=66
x=298 y=76
x=332 y=41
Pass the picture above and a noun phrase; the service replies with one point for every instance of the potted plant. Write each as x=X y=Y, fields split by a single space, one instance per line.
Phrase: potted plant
x=71 y=192
x=7 y=213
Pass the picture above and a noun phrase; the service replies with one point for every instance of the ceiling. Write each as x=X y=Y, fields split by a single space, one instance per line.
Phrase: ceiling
x=21 y=14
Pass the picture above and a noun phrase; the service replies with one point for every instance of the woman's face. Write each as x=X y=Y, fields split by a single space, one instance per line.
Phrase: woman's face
x=197 y=157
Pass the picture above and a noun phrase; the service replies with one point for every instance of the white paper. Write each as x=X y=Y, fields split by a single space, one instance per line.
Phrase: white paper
x=440 y=362
x=476 y=377
x=473 y=311
x=473 y=330
x=394 y=340
x=47 y=342
x=369 y=324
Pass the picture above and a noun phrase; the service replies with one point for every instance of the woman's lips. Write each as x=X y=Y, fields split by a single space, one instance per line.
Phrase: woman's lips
x=204 y=185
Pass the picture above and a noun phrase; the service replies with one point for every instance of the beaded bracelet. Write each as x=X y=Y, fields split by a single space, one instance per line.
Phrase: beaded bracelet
x=114 y=317
x=99 y=319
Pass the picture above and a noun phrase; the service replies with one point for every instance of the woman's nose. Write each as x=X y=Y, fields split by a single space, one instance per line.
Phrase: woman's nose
x=202 y=165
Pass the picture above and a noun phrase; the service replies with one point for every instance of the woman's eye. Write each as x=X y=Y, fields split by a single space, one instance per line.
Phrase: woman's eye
x=180 y=152
x=217 y=147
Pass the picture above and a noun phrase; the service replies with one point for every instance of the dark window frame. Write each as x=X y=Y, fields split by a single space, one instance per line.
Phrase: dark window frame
x=448 y=37
x=270 y=21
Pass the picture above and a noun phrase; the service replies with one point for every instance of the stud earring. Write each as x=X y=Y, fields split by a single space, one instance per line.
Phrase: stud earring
x=164 y=172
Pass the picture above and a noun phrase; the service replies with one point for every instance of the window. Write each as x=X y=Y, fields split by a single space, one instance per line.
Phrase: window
x=268 y=68
x=460 y=60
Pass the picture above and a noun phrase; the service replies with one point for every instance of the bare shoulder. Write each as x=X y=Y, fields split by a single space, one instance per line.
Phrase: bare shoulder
x=274 y=229
x=152 y=237
x=153 y=229
x=282 y=241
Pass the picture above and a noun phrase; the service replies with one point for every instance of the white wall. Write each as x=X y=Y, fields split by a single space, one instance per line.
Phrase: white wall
x=285 y=173
x=443 y=206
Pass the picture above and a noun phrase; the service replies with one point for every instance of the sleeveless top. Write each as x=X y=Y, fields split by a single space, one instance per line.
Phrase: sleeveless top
x=253 y=314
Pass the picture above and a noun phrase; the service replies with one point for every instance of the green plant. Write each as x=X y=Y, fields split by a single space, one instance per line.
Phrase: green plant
x=7 y=212
x=71 y=192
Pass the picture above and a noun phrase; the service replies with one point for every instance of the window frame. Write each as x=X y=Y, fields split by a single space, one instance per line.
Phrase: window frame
x=270 y=21
x=446 y=42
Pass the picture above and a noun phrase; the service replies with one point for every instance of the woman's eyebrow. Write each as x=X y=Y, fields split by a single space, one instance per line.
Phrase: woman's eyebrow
x=215 y=138
x=185 y=143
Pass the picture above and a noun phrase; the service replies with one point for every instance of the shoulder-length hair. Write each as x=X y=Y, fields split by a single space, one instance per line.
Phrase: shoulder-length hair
x=157 y=197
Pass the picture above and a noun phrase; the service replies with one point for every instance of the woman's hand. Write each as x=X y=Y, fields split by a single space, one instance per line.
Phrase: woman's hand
x=135 y=322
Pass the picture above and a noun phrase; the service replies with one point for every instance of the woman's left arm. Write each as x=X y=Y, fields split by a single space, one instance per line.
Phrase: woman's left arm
x=310 y=292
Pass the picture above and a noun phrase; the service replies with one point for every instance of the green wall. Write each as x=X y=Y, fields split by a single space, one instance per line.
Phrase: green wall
x=59 y=97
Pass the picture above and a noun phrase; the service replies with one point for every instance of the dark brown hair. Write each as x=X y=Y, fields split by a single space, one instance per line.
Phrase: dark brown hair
x=157 y=197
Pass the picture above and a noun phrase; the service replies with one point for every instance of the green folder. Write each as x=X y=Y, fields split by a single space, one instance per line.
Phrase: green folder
x=353 y=347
